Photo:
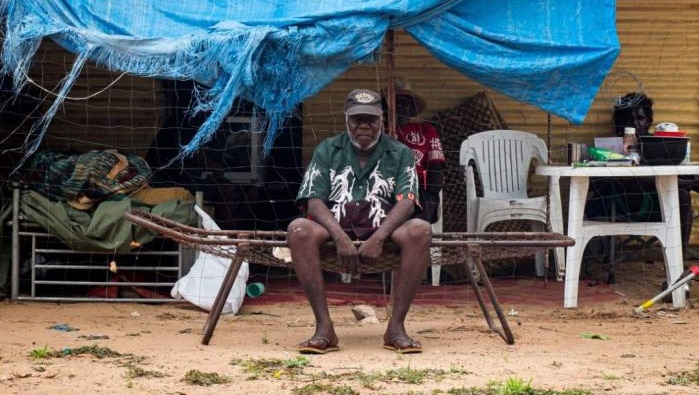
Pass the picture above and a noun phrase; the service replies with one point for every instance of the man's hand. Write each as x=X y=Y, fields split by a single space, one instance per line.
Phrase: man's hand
x=346 y=251
x=347 y=255
x=370 y=250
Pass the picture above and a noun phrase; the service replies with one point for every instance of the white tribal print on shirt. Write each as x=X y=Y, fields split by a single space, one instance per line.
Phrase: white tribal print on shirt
x=378 y=188
x=335 y=176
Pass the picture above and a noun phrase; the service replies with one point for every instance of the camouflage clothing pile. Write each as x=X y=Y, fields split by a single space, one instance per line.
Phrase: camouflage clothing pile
x=83 y=180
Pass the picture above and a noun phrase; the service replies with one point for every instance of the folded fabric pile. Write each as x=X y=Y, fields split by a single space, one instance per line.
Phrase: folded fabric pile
x=82 y=180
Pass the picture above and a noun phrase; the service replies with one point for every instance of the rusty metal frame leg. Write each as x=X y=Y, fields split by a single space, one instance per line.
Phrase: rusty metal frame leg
x=223 y=292
x=474 y=252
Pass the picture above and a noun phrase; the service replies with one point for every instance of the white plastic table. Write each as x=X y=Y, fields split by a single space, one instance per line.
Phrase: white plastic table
x=667 y=231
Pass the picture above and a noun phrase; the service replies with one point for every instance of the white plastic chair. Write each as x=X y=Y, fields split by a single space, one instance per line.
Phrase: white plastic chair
x=502 y=159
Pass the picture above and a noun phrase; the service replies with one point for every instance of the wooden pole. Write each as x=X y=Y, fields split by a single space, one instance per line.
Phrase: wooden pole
x=390 y=83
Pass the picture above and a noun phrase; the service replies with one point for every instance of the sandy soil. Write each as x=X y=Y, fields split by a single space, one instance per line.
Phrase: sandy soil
x=638 y=355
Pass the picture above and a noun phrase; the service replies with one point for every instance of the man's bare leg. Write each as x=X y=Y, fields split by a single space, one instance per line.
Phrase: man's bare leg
x=305 y=238
x=413 y=238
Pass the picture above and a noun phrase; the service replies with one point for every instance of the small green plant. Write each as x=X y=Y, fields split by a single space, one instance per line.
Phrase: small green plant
x=513 y=386
x=298 y=362
x=196 y=377
x=611 y=376
x=94 y=350
x=412 y=376
x=265 y=339
x=326 y=383
x=596 y=336
x=684 y=378
x=41 y=353
x=516 y=386
x=368 y=380
x=275 y=368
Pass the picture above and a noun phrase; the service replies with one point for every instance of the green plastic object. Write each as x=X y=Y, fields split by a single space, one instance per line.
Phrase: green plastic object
x=603 y=154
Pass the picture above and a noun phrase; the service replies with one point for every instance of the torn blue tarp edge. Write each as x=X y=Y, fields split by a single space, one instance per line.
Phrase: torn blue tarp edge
x=239 y=75
x=183 y=61
x=328 y=67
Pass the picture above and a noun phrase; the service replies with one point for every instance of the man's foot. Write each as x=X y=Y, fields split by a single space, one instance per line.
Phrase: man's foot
x=403 y=345
x=317 y=345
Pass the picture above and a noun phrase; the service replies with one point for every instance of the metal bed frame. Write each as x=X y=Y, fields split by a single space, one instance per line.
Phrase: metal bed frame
x=41 y=242
x=256 y=247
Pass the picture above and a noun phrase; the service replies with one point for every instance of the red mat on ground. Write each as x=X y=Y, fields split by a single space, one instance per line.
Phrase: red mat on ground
x=509 y=291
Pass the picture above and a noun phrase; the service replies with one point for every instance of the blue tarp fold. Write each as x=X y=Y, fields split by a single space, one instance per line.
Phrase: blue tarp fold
x=547 y=53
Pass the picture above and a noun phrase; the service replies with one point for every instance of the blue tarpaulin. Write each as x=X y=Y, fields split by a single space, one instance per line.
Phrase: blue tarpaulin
x=549 y=53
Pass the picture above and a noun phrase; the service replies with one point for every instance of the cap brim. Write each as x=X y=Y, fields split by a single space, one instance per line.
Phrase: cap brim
x=364 y=109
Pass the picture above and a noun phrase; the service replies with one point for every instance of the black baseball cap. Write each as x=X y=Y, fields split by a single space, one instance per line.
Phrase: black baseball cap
x=363 y=101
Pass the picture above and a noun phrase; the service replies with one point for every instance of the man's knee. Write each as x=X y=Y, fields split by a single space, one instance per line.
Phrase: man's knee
x=303 y=232
x=415 y=231
x=296 y=224
x=297 y=230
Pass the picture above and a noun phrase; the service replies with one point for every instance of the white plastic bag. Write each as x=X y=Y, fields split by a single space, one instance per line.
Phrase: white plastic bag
x=200 y=286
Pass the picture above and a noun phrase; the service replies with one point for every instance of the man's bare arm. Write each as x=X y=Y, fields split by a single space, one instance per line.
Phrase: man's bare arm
x=320 y=213
x=346 y=251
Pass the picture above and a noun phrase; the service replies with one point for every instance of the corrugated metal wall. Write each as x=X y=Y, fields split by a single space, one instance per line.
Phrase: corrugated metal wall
x=660 y=55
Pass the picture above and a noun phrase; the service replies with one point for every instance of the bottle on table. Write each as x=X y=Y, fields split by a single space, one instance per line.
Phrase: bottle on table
x=630 y=146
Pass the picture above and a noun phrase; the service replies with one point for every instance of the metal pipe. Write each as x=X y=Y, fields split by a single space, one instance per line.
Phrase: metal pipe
x=14 y=287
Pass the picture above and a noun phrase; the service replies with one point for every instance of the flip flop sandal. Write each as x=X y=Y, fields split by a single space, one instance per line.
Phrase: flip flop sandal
x=316 y=346
x=404 y=346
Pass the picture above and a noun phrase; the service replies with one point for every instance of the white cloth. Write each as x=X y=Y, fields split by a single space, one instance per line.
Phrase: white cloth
x=282 y=253
x=200 y=286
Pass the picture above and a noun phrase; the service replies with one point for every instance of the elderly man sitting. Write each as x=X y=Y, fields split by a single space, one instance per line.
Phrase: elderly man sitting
x=360 y=185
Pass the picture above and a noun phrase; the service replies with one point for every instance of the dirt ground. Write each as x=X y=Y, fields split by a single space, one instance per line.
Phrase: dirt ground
x=622 y=353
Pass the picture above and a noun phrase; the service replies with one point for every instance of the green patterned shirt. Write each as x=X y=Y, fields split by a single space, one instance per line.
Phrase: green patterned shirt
x=334 y=176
